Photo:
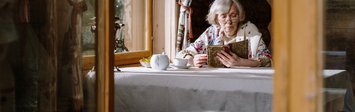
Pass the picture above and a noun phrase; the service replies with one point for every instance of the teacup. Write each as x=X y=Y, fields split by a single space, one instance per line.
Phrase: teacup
x=180 y=62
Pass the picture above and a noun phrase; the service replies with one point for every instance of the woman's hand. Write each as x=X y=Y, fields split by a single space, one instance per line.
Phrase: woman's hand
x=230 y=59
x=200 y=60
x=190 y=59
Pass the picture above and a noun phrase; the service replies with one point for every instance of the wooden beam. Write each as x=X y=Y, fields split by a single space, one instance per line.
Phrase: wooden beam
x=280 y=28
x=128 y=57
x=298 y=76
x=319 y=47
x=100 y=65
x=131 y=55
x=148 y=26
x=127 y=61
x=105 y=56
x=88 y=62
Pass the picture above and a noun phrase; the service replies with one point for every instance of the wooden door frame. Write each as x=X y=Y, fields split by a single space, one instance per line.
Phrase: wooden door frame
x=104 y=56
x=297 y=42
x=103 y=59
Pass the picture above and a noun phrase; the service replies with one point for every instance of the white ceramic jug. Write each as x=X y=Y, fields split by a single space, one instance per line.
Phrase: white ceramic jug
x=159 y=61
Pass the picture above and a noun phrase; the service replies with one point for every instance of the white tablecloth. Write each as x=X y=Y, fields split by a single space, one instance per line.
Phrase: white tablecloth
x=140 y=89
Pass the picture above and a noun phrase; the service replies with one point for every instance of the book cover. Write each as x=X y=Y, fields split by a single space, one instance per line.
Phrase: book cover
x=239 y=48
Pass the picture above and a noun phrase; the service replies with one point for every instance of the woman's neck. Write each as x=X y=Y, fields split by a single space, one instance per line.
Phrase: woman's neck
x=229 y=35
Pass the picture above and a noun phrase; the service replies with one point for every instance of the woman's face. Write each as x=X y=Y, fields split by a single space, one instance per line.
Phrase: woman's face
x=229 y=21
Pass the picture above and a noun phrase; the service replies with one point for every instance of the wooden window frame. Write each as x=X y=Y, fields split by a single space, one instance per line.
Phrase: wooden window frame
x=297 y=41
x=135 y=56
x=104 y=54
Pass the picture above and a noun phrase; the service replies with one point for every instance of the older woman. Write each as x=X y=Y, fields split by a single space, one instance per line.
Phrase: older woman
x=227 y=25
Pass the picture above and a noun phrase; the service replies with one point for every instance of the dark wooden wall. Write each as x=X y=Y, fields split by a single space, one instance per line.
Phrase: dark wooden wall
x=339 y=34
x=200 y=10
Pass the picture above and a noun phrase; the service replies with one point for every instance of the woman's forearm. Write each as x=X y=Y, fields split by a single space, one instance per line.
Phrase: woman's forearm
x=248 y=62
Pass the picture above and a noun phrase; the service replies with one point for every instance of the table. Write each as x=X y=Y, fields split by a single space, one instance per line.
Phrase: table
x=194 y=89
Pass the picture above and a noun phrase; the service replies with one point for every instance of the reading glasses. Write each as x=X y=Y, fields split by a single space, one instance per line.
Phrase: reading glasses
x=226 y=18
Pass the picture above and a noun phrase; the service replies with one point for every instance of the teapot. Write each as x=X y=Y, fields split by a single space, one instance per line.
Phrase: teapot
x=159 y=61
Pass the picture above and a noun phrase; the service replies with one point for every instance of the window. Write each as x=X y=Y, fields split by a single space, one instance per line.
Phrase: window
x=137 y=31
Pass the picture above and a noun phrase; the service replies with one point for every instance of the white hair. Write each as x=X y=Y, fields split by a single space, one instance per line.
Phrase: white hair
x=221 y=7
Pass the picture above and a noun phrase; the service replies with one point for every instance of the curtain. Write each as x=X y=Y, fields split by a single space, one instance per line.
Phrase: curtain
x=184 y=27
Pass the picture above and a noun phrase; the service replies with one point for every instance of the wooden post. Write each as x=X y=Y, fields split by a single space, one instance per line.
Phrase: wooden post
x=105 y=55
x=297 y=41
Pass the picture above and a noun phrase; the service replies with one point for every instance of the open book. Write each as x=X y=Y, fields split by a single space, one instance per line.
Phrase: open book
x=239 y=48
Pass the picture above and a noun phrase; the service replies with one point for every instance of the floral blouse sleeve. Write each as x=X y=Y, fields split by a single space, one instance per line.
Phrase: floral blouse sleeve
x=263 y=55
x=211 y=36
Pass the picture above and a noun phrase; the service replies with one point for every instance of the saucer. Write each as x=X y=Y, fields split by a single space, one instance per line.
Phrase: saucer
x=180 y=67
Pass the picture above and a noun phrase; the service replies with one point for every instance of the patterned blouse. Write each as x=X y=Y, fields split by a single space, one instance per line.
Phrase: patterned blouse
x=214 y=36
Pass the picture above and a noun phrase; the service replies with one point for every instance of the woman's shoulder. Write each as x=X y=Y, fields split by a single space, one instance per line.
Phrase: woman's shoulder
x=249 y=29
x=248 y=25
x=212 y=29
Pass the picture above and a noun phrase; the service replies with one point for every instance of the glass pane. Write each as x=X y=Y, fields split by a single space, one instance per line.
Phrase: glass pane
x=339 y=39
x=88 y=28
x=129 y=26
x=41 y=55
